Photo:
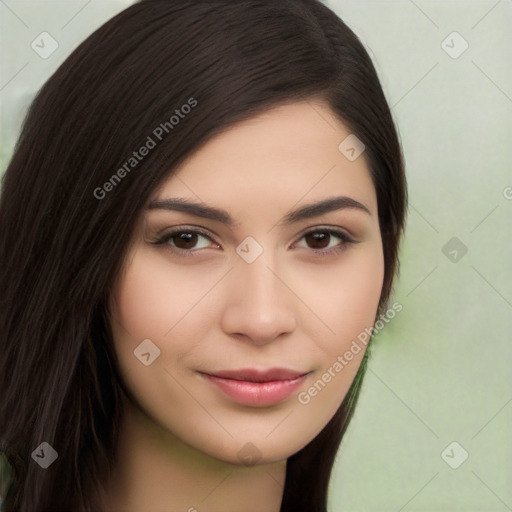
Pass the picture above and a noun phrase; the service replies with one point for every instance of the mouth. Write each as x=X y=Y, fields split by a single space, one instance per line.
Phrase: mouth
x=257 y=388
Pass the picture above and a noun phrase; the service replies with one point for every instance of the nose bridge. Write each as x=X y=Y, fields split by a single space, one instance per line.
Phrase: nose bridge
x=259 y=305
x=259 y=280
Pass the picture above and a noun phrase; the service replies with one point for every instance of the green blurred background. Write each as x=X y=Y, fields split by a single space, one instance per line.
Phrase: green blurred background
x=432 y=431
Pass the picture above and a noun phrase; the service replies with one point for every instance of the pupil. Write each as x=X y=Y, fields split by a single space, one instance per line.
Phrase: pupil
x=318 y=240
x=187 y=240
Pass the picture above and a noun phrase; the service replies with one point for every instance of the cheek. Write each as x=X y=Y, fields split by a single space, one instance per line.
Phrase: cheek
x=151 y=302
x=346 y=300
x=342 y=300
x=345 y=296
x=168 y=308
x=177 y=312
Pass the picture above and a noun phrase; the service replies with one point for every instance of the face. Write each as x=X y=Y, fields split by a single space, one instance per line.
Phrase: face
x=234 y=324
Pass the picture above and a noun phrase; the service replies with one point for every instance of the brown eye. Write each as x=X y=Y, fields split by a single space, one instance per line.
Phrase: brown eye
x=185 y=240
x=324 y=242
x=318 y=239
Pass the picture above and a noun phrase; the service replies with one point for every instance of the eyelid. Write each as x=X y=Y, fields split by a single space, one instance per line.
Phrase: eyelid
x=163 y=235
x=332 y=231
x=328 y=229
x=157 y=234
x=337 y=231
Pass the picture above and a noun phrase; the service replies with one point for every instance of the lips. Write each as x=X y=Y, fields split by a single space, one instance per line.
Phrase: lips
x=257 y=388
x=254 y=375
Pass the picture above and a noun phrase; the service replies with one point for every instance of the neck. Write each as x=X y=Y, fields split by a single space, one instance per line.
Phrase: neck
x=156 y=471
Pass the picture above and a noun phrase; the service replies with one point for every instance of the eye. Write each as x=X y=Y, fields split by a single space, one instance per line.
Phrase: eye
x=323 y=241
x=184 y=241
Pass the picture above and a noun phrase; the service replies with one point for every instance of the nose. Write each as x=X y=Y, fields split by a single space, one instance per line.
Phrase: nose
x=258 y=303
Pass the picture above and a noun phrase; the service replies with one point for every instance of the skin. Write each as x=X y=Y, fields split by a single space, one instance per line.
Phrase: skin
x=181 y=435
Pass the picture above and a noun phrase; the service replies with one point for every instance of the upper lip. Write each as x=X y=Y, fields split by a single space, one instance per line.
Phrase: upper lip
x=255 y=375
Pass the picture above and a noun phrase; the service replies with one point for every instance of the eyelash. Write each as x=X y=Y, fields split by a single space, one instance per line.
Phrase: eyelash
x=164 y=239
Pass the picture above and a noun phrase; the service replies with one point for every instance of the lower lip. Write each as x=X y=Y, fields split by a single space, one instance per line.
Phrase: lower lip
x=259 y=394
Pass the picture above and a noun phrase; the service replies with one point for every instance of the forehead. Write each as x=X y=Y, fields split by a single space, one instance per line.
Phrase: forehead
x=288 y=155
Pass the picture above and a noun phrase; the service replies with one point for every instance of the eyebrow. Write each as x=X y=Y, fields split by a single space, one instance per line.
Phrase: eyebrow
x=305 y=212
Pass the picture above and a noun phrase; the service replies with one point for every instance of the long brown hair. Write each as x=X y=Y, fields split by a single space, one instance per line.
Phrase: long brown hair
x=62 y=242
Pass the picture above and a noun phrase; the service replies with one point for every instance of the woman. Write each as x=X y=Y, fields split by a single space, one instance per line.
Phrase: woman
x=200 y=222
